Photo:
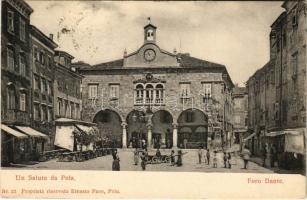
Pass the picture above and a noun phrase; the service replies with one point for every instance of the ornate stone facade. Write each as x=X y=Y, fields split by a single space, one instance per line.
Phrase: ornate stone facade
x=167 y=99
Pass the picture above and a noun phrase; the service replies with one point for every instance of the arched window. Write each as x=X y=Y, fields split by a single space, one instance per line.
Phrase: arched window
x=149 y=93
x=150 y=35
x=11 y=98
x=159 y=93
x=139 y=94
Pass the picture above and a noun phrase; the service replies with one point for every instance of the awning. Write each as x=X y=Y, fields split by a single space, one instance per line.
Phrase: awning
x=86 y=129
x=249 y=137
x=31 y=132
x=295 y=141
x=13 y=132
x=274 y=133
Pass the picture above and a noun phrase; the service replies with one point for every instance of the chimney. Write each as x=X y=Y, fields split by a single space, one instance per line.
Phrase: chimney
x=51 y=36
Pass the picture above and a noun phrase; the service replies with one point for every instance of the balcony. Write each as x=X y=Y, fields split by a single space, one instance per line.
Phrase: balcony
x=149 y=101
x=17 y=117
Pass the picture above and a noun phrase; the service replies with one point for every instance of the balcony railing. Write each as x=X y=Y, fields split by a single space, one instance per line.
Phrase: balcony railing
x=151 y=101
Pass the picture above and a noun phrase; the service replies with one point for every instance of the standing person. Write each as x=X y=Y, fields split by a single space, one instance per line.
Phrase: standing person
x=225 y=159
x=185 y=141
x=114 y=154
x=116 y=164
x=136 y=157
x=200 y=154
x=143 y=162
x=143 y=143
x=214 y=160
x=264 y=155
x=229 y=160
x=172 y=158
x=273 y=155
x=179 y=159
x=246 y=156
x=158 y=153
x=208 y=156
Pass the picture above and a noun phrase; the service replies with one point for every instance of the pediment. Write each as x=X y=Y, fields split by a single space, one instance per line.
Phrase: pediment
x=150 y=55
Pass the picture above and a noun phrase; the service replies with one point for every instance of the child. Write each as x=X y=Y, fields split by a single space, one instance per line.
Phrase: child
x=136 y=157
x=172 y=158
x=143 y=162
x=225 y=160
x=229 y=160
x=214 y=160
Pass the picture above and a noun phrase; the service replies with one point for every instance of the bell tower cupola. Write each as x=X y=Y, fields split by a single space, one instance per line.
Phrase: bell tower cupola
x=149 y=32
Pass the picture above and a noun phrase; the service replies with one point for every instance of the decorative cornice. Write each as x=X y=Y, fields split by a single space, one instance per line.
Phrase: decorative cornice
x=22 y=7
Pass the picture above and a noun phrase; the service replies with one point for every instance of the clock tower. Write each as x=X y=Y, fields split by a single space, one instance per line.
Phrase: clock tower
x=149 y=32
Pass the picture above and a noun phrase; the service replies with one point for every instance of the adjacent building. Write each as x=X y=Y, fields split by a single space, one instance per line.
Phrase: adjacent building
x=43 y=73
x=67 y=87
x=240 y=109
x=165 y=99
x=277 y=96
x=15 y=79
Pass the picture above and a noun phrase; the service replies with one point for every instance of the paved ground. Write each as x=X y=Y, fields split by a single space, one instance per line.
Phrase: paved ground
x=190 y=164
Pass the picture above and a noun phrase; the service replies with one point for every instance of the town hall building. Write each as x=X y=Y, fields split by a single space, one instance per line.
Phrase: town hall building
x=166 y=99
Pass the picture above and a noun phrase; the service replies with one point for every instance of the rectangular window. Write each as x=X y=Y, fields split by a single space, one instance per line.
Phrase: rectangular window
x=49 y=62
x=23 y=102
x=37 y=83
x=185 y=90
x=11 y=98
x=22 y=65
x=10 y=21
x=22 y=29
x=44 y=113
x=36 y=112
x=10 y=59
x=59 y=106
x=206 y=92
x=50 y=114
x=36 y=54
x=77 y=111
x=93 y=90
x=114 y=91
x=50 y=92
x=42 y=58
x=44 y=86
x=72 y=110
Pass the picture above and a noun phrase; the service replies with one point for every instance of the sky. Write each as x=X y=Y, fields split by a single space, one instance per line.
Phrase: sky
x=235 y=34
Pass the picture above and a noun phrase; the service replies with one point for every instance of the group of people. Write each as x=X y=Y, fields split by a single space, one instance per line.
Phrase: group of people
x=207 y=156
x=144 y=157
x=273 y=155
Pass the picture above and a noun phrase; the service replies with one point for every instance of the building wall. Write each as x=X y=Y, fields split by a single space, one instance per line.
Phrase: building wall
x=67 y=89
x=42 y=66
x=276 y=92
x=13 y=77
x=172 y=101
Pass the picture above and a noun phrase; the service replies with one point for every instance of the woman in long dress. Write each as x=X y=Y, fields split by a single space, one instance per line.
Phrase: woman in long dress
x=136 y=156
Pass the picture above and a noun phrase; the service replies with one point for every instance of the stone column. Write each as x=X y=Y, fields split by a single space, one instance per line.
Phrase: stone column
x=124 y=136
x=175 y=135
x=149 y=134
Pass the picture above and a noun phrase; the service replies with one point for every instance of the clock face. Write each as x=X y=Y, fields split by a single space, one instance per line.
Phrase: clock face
x=149 y=55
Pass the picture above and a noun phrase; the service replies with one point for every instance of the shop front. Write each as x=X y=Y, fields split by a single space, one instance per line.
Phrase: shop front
x=290 y=146
x=12 y=146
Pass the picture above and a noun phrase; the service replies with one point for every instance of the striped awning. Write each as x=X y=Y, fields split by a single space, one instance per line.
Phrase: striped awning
x=13 y=132
x=31 y=132
x=249 y=137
